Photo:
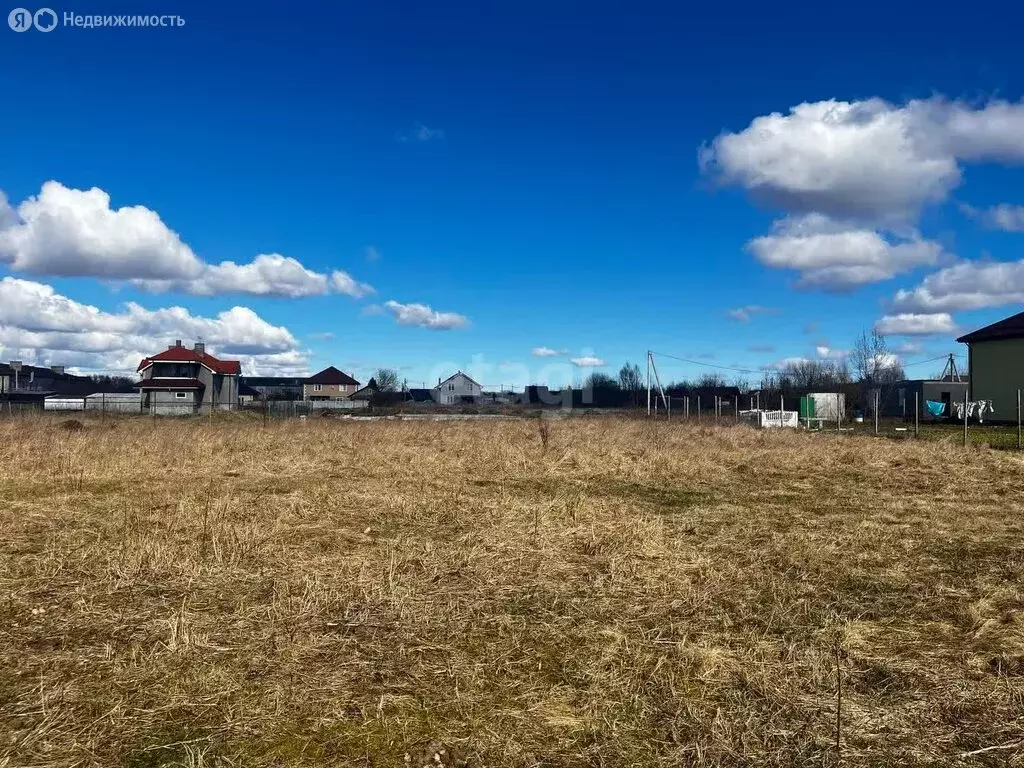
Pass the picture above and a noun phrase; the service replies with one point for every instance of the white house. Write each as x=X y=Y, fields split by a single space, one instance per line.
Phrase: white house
x=455 y=388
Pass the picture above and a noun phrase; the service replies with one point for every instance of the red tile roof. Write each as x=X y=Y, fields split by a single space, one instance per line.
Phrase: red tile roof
x=186 y=355
x=170 y=384
x=331 y=375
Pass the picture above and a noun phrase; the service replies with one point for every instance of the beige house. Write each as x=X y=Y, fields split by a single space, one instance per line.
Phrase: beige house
x=995 y=362
x=329 y=384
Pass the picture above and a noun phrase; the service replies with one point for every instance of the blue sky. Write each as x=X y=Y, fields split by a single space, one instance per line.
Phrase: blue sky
x=529 y=173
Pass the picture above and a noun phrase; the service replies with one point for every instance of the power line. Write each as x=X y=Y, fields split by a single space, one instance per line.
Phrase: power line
x=929 y=360
x=775 y=367
x=707 y=365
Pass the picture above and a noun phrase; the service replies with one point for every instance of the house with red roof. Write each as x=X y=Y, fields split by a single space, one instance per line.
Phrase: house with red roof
x=181 y=381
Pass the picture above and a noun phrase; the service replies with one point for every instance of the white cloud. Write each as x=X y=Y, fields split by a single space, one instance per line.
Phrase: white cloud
x=74 y=233
x=322 y=336
x=8 y=216
x=1009 y=218
x=371 y=253
x=267 y=275
x=423 y=316
x=343 y=282
x=743 y=314
x=587 y=362
x=836 y=256
x=421 y=133
x=546 y=352
x=826 y=352
x=909 y=348
x=910 y=324
x=964 y=286
x=887 y=360
x=38 y=323
x=867 y=160
x=786 y=362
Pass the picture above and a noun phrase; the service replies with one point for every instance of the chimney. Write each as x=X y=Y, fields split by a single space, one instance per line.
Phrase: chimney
x=175 y=345
x=200 y=348
x=439 y=381
x=58 y=369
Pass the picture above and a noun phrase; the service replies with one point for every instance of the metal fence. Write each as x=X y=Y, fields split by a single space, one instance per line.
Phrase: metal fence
x=113 y=405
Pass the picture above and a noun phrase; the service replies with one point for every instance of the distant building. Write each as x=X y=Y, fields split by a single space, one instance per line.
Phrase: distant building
x=180 y=380
x=367 y=393
x=923 y=390
x=420 y=395
x=329 y=384
x=247 y=394
x=26 y=382
x=274 y=387
x=995 y=364
x=457 y=388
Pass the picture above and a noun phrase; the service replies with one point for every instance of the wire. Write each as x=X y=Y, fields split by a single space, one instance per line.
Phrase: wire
x=708 y=365
x=776 y=367
x=929 y=360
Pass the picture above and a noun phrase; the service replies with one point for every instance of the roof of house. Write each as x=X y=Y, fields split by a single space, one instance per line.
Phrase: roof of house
x=331 y=375
x=454 y=375
x=186 y=355
x=244 y=390
x=421 y=395
x=27 y=370
x=1009 y=328
x=367 y=392
x=170 y=384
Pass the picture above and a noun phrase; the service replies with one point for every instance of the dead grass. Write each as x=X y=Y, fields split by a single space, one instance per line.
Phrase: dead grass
x=607 y=593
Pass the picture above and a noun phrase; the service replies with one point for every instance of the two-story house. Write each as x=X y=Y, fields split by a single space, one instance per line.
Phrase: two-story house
x=180 y=380
x=456 y=389
x=329 y=384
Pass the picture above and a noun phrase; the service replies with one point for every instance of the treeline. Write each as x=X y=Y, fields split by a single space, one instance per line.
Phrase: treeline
x=869 y=367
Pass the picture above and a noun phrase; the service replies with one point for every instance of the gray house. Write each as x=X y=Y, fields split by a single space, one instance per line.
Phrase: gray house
x=995 y=361
x=180 y=381
x=456 y=389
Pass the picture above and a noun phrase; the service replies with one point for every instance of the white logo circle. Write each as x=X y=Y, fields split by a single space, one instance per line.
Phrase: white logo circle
x=43 y=22
x=20 y=20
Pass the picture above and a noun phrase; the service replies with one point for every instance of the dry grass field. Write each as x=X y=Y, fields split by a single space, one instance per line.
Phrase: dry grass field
x=334 y=593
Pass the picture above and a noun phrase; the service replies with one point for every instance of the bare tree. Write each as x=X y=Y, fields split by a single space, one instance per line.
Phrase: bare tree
x=872 y=361
x=711 y=380
x=598 y=380
x=387 y=379
x=630 y=378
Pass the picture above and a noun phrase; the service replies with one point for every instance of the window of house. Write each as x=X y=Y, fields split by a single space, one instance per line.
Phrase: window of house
x=181 y=395
x=317 y=387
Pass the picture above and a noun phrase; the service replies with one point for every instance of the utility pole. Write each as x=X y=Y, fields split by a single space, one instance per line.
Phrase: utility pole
x=648 y=382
